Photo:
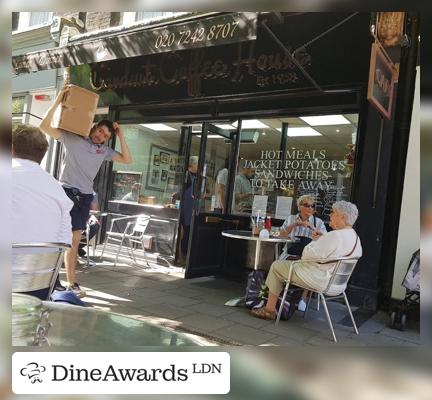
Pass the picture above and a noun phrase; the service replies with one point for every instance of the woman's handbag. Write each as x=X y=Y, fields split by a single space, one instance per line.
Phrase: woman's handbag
x=297 y=247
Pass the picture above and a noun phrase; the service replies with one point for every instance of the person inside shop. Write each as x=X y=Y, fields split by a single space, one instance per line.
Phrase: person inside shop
x=342 y=241
x=40 y=207
x=243 y=195
x=133 y=195
x=187 y=202
x=83 y=158
x=220 y=188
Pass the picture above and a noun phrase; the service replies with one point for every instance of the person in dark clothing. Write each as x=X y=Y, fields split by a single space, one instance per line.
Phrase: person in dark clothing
x=187 y=202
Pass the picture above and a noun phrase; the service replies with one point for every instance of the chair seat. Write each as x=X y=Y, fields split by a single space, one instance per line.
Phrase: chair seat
x=335 y=287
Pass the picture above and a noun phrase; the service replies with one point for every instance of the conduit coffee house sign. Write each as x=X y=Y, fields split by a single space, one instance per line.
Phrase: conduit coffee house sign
x=198 y=69
x=244 y=67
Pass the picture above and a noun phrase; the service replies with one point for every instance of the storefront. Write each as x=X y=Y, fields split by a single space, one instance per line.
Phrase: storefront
x=283 y=108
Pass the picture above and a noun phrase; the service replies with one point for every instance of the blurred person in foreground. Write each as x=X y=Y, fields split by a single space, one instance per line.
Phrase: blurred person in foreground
x=342 y=241
x=40 y=207
x=83 y=159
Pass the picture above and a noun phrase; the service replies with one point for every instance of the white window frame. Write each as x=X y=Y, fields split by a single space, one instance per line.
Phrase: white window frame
x=129 y=18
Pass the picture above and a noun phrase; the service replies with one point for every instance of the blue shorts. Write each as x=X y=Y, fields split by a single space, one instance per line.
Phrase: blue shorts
x=81 y=208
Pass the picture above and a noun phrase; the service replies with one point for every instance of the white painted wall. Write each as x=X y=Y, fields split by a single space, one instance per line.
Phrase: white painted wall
x=409 y=223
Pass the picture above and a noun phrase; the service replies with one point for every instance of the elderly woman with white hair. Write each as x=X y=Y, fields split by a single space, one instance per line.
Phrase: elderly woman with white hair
x=342 y=241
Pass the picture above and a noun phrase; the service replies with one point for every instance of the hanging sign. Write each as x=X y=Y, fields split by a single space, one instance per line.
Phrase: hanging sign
x=381 y=82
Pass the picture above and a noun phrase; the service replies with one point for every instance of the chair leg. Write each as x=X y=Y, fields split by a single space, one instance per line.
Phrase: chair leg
x=350 y=313
x=279 y=313
x=132 y=253
x=118 y=252
x=103 y=248
x=144 y=252
x=307 y=304
x=328 y=316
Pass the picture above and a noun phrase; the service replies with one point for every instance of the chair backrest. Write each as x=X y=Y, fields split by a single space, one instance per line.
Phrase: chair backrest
x=340 y=276
x=35 y=265
x=141 y=223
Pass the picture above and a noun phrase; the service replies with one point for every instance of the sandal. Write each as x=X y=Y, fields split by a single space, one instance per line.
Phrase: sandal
x=263 y=313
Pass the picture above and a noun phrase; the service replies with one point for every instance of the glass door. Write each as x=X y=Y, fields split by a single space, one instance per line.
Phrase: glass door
x=212 y=146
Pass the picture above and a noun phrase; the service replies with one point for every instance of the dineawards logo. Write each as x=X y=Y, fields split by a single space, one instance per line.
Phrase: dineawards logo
x=121 y=373
x=33 y=371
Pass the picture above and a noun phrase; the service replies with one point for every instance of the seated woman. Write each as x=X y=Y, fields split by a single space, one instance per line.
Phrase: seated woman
x=342 y=241
x=303 y=226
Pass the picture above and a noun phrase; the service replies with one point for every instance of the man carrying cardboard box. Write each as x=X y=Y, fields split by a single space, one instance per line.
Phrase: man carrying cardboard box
x=83 y=158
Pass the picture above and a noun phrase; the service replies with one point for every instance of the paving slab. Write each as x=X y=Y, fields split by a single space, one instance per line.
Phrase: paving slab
x=205 y=323
x=245 y=334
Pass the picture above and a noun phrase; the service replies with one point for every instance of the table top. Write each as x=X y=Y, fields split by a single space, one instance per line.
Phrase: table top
x=85 y=326
x=247 y=235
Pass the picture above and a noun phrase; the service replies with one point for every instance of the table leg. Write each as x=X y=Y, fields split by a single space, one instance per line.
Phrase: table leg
x=87 y=242
x=276 y=251
x=257 y=254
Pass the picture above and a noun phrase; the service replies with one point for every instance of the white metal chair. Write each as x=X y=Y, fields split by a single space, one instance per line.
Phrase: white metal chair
x=35 y=266
x=335 y=288
x=128 y=231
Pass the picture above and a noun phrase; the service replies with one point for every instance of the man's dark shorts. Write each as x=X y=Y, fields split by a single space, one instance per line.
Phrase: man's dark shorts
x=81 y=208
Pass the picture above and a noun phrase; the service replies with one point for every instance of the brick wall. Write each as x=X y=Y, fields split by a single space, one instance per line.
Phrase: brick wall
x=94 y=20
x=98 y=20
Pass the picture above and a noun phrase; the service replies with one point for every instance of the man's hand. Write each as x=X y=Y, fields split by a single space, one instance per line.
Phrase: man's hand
x=117 y=129
x=316 y=234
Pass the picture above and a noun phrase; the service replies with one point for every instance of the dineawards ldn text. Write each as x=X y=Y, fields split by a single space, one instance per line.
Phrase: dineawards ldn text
x=112 y=374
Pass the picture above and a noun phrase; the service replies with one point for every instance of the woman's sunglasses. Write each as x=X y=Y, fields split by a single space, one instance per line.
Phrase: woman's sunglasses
x=308 y=205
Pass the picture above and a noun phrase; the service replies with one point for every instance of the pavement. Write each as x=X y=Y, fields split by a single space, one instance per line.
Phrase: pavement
x=160 y=294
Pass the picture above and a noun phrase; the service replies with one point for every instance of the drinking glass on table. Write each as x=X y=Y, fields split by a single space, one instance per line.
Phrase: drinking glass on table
x=275 y=231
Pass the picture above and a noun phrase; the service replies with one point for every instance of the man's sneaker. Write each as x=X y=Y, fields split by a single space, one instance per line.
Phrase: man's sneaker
x=301 y=306
x=76 y=289
x=59 y=287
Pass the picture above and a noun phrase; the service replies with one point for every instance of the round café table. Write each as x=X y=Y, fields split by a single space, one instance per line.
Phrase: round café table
x=247 y=235
x=89 y=327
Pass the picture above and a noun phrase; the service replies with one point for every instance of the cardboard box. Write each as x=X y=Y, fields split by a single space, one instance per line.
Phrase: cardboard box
x=76 y=111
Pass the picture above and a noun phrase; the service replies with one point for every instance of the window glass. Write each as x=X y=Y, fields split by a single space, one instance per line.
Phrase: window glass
x=18 y=104
x=216 y=173
x=15 y=20
x=38 y=18
x=318 y=159
x=156 y=172
x=143 y=15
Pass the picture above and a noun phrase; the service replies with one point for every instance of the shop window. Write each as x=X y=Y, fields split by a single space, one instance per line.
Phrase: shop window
x=156 y=173
x=316 y=157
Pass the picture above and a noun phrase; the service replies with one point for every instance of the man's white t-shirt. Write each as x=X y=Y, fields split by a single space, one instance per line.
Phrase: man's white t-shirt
x=40 y=206
x=221 y=179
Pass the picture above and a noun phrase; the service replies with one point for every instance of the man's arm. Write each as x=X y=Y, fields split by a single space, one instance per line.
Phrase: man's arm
x=125 y=155
x=45 y=125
